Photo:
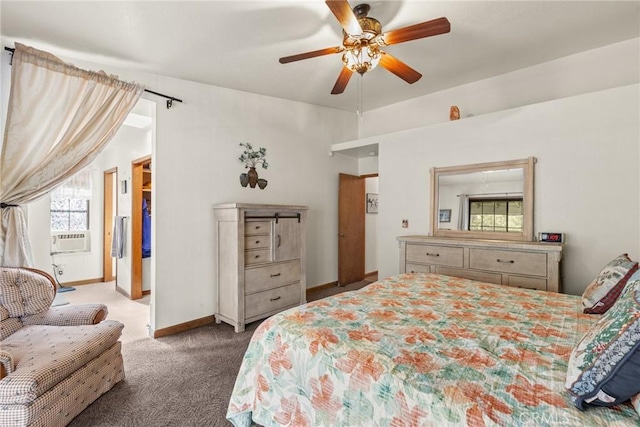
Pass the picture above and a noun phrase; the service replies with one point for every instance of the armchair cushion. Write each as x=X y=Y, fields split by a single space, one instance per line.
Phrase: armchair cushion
x=45 y=355
x=24 y=292
x=69 y=315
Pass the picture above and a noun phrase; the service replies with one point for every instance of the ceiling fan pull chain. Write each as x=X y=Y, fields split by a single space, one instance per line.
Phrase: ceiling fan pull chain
x=359 y=111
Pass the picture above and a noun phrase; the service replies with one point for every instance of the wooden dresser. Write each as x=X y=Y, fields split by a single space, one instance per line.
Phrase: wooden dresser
x=530 y=265
x=260 y=261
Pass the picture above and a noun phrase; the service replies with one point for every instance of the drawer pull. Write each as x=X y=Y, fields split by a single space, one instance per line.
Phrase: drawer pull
x=274 y=299
x=257 y=227
x=274 y=275
x=278 y=245
x=506 y=261
x=257 y=256
x=429 y=254
x=257 y=241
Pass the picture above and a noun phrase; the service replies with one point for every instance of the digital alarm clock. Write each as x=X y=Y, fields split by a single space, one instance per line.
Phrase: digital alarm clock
x=546 y=237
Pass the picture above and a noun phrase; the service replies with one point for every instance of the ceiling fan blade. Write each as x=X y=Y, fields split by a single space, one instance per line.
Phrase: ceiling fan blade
x=342 y=81
x=307 y=55
x=399 y=68
x=345 y=16
x=418 y=31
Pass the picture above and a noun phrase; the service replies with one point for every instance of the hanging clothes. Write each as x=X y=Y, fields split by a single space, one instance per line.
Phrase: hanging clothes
x=117 y=239
x=146 y=230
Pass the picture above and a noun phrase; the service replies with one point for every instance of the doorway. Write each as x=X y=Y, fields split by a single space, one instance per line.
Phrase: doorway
x=141 y=184
x=110 y=205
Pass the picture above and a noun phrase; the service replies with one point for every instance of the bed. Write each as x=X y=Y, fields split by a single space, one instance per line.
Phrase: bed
x=419 y=349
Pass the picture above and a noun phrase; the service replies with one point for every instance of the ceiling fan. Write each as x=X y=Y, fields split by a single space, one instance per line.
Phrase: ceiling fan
x=363 y=38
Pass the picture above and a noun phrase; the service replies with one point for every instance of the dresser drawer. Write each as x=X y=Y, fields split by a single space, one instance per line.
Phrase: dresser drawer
x=254 y=228
x=528 y=282
x=528 y=263
x=481 y=276
x=257 y=256
x=417 y=268
x=271 y=300
x=436 y=255
x=257 y=242
x=258 y=279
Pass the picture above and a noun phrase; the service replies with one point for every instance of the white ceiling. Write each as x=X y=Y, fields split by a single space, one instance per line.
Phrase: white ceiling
x=236 y=44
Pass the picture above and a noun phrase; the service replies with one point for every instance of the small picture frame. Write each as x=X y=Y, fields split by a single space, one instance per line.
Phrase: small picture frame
x=372 y=203
x=444 y=215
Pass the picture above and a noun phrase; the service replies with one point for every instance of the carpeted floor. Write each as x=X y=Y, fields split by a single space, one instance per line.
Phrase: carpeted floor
x=180 y=380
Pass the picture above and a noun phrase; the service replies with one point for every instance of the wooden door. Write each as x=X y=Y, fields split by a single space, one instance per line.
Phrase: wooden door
x=351 y=229
x=109 y=209
x=137 y=183
x=287 y=239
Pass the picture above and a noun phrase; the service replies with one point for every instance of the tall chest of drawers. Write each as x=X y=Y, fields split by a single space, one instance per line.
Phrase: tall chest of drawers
x=260 y=261
x=530 y=265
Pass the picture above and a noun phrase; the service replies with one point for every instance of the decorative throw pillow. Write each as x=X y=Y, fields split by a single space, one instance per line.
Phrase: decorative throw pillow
x=605 y=365
x=606 y=287
x=635 y=401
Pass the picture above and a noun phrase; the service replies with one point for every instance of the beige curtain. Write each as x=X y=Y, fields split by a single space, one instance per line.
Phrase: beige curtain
x=59 y=119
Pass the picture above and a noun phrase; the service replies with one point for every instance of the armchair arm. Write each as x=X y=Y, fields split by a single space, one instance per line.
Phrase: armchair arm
x=69 y=315
x=7 y=364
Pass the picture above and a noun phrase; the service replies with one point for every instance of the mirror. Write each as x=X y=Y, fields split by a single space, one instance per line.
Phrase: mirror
x=484 y=200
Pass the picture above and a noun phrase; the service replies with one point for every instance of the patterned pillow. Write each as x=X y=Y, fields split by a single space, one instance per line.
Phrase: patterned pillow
x=635 y=401
x=606 y=287
x=605 y=365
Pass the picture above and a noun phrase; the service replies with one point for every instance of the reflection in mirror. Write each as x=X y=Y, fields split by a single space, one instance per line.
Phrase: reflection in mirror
x=489 y=200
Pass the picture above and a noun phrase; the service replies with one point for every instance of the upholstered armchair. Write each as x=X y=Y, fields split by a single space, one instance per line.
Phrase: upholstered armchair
x=54 y=361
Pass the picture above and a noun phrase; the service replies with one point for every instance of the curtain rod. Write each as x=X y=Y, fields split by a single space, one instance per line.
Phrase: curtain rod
x=170 y=99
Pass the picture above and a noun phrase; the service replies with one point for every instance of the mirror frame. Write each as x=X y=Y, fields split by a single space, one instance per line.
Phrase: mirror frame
x=527 y=200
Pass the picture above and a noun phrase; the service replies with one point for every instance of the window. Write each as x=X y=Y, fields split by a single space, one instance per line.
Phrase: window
x=70 y=203
x=496 y=215
x=69 y=214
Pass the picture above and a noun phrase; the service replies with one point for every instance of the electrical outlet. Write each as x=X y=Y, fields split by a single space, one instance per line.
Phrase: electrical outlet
x=405 y=223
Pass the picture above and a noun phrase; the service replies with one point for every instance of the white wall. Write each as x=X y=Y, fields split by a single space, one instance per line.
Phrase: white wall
x=195 y=166
x=368 y=165
x=604 y=68
x=371 y=231
x=587 y=173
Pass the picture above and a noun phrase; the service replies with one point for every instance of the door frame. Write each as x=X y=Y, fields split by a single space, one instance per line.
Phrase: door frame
x=108 y=208
x=136 y=225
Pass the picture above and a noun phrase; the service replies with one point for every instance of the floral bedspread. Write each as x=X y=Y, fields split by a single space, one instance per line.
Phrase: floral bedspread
x=418 y=350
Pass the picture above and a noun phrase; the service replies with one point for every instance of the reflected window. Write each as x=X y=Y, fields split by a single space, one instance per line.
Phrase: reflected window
x=503 y=215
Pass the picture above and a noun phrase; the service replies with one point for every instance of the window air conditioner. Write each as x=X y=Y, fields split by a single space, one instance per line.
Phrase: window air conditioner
x=70 y=241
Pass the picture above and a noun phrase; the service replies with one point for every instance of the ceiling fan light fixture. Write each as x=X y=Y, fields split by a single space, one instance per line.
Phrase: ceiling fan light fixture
x=362 y=57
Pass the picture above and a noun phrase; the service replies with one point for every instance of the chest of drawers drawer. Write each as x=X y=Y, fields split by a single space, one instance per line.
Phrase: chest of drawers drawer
x=257 y=256
x=257 y=279
x=271 y=300
x=257 y=242
x=435 y=255
x=254 y=228
x=516 y=262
